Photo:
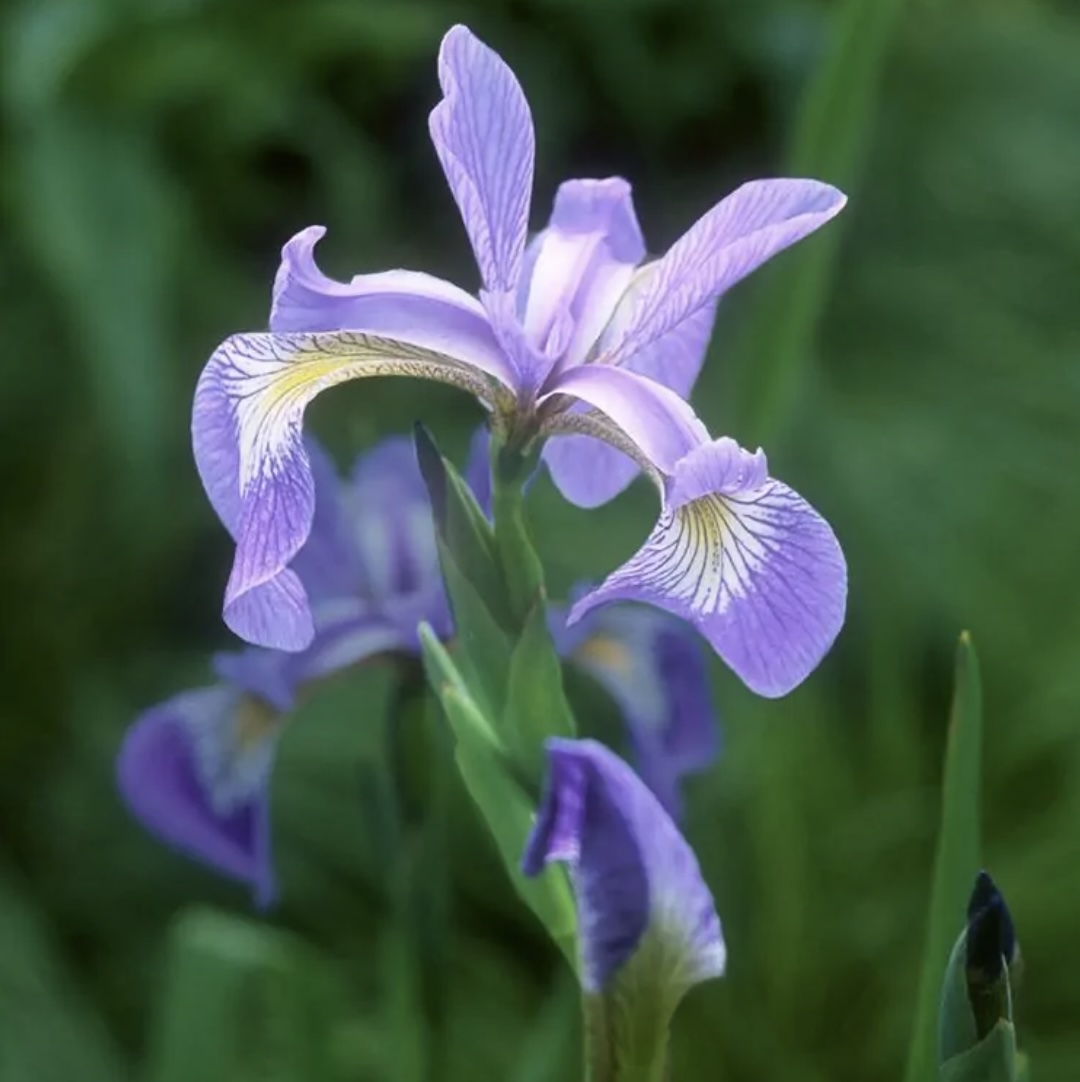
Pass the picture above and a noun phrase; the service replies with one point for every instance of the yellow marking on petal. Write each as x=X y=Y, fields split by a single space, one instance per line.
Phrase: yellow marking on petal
x=254 y=722
x=272 y=377
x=705 y=553
x=606 y=652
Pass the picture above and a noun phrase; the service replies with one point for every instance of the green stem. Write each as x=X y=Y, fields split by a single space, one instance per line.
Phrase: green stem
x=619 y=1046
x=520 y=565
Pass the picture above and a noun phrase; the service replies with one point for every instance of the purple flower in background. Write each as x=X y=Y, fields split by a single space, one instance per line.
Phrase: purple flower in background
x=652 y=666
x=195 y=770
x=572 y=336
x=633 y=873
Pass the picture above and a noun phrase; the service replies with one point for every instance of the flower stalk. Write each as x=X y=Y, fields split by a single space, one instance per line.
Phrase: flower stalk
x=521 y=567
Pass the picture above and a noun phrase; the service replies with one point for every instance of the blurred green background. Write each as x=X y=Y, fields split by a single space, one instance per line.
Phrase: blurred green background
x=155 y=155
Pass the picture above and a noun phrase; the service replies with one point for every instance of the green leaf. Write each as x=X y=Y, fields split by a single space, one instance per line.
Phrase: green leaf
x=462 y=528
x=242 y=1002
x=504 y=805
x=445 y=678
x=509 y=815
x=957 y=860
x=993 y=1059
x=485 y=649
x=49 y=1031
x=830 y=134
x=536 y=704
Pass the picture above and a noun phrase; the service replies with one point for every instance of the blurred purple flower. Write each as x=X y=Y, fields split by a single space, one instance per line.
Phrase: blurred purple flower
x=652 y=666
x=572 y=336
x=195 y=770
x=633 y=873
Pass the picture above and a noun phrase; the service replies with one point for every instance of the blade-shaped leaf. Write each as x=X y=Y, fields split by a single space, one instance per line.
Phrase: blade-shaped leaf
x=957 y=859
x=242 y=1002
x=48 y=1032
x=462 y=527
x=488 y=774
x=536 y=704
x=830 y=133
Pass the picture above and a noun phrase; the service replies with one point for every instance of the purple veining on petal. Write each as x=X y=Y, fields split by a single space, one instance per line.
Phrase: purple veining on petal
x=729 y=242
x=408 y=305
x=589 y=473
x=721 y=467
x=632 y=870
x=756 y=570
x=483 y=134
x=656 y=420
x=581 y=265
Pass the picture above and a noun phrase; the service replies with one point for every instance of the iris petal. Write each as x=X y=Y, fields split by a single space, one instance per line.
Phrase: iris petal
x=415 y=307
x=589 y=473
x=729 y=242
x=247 y=436
x=645 y=420
x=176 y=782
x=633 y=872
x=744 y=559
x=652 y=665
x=483 y=134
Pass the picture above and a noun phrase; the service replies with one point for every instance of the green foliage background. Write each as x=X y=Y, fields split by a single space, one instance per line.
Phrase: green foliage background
x=156 y=153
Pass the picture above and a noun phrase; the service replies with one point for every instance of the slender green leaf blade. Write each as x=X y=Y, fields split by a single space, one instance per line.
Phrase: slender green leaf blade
x=509 y=815
x=242 y=1002
x=830 y=133
x=48 y=1031
x=536 y=704
x=957 y=860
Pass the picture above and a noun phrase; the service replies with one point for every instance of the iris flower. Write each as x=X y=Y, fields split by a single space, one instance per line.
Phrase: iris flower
x=195 y=770
x=573 y=335
x=652 y=667
x=633 y=873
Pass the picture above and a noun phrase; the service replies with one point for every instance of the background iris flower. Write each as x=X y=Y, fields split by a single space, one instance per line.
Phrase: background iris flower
x=196 y=769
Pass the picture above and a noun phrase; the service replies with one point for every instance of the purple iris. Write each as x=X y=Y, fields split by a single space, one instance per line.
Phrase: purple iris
x=196 y=769
x=633 y=873
x=574 y=337
x=652 y=667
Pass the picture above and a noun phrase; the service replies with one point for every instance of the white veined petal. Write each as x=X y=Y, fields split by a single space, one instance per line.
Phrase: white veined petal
x=759 y=573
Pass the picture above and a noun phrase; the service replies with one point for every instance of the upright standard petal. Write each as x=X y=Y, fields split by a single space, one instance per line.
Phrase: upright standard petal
x=483 y=134
x=633 y=873
x=195 y=772
x=249 y=449
x=652 y=665
x=580 y=266
x=744 y=559
x=734 y=238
